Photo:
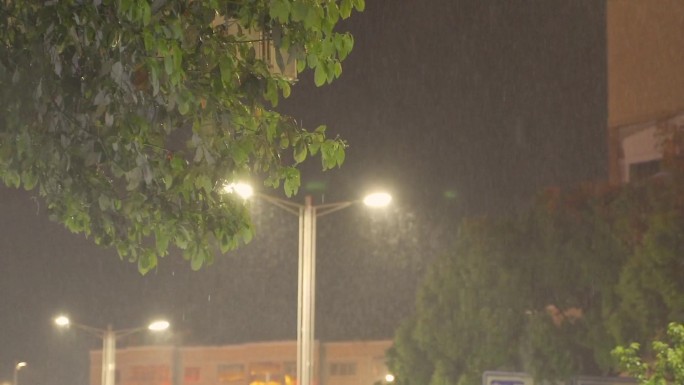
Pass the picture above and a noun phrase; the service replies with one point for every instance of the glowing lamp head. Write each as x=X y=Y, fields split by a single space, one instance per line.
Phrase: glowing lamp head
x=379 y=199
x=244 y=190
x=159 y=325
x=20 y=365
x=389 y=378
x=62 y=321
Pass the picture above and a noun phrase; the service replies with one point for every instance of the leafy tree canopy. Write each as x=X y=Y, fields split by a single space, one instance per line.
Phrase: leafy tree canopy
x=665 y=367
x=129 y=116
x=552 y=290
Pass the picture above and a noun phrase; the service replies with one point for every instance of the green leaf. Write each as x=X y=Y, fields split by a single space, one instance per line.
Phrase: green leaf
x=327 y=47
x=329 y=154
x=337 y=69
x=29 y=178
x=177 y=58
x=149 y=41
x=292 y=181
x=300 y=152
x=168 y=180
x=330 y=70
x=340 y=155
x=196 y=262
x=247 y=234
x=345 y=8
x=301 y=65
x=203 y=182
x=280 y=10
x=312 y=60
x=333 y=13
x=299 y=11
x=226 y=68
x=320 y=76
x=183 y=107
x=145 y=12
x=146 y=262
x=162 y=238
x=168 y=64
x=271 y=93
x=154 y=77
x=314 y=147
x=201 y=257
x=344 y=44
x=284 y=141
x=182 y=238
x=177 y=163
x=313 y=19
x=285 y=86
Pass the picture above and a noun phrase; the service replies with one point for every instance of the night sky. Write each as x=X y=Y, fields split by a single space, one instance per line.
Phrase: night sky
x=459 y=108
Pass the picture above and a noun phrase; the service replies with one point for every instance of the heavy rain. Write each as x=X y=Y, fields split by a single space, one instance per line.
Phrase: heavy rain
x=460 y=109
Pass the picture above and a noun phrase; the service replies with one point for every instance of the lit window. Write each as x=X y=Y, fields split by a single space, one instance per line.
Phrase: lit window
x=231 y=373
x=265 y=372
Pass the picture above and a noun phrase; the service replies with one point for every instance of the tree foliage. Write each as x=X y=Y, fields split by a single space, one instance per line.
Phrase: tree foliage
x=667 y=367
x=128 y=116
x=552 y=290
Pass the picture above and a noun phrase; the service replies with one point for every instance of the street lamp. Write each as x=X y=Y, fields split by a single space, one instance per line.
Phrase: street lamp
x=17 y=368
x=109 y=338
x=306 y=289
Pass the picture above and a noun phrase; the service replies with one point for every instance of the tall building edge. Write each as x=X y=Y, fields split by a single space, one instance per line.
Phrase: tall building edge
x=645 y=82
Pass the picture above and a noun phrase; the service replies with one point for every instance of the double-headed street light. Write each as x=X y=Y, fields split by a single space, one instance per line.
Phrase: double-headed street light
x=306 y=289
x=109 y=338
x=17 y=368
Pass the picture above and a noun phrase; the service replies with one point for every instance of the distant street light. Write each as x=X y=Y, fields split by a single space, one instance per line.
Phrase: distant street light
x=109 y=338
x=17 y=368
x=306 y=290
x=389 y=378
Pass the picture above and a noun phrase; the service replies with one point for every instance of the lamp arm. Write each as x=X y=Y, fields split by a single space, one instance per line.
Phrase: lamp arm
x=294 y=208
x=328 y=208
x=126 y=332
x=89 y=329
x=290 y=207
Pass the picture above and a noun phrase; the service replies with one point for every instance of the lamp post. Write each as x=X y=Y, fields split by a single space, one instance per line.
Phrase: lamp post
x=306 y=288
x=17 y=368
x=109 y=338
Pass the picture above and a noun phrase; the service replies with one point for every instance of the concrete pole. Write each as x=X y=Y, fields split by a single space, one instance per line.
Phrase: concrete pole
x=306 y=293
x=108 y=356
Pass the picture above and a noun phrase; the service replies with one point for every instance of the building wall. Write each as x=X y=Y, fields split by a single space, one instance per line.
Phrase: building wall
x=354 y=362
x=645 y=59
x=645 y=42
x=137 y=366
x=641 y=147
x=264 y=363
